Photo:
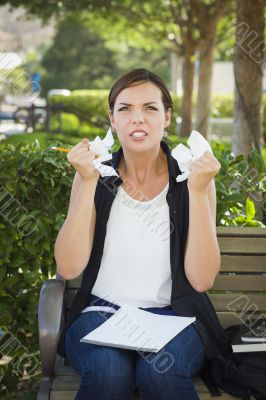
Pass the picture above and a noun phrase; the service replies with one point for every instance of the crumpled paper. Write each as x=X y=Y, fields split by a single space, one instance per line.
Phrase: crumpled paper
x=101 y=147
x=185 y=156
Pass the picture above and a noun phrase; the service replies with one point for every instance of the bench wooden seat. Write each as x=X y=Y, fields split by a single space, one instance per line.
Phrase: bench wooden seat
x=239 y=292
x=65 y=387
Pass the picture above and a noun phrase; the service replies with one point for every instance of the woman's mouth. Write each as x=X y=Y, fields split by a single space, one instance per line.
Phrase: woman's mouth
x=138 y=135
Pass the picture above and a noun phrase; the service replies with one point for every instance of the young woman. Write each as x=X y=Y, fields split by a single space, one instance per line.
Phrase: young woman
x=141 y=239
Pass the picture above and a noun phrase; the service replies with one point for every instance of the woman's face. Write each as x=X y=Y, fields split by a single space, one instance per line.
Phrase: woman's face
x=140 y=109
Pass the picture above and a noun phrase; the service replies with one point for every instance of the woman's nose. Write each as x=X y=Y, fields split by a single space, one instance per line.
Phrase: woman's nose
x=137 y=117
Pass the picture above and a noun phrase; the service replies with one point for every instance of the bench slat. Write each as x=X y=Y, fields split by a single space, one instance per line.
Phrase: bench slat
x=207 y=396
x=253 y=283
x=240 y=231
x=221 y=302
x=243 y=263
x=68 y=385
x=233 y=241
x=65 y=395
x=229 y=263
x=242 y=245
x=231 y=318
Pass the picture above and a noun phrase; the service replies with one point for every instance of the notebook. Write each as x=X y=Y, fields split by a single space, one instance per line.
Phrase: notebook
x=135 y=329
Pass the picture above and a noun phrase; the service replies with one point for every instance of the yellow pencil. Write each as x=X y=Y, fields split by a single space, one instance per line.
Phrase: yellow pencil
x=65 y=150
x=60 y=149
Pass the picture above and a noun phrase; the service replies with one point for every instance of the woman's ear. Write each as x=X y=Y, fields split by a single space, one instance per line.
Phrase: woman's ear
x=168 y=116
x=111 y=118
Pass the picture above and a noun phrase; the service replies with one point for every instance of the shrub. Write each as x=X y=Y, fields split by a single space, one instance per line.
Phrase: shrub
x=222 y=106
x=34 y=195
x=88 y=105
x=69 y=123
x=240 y=187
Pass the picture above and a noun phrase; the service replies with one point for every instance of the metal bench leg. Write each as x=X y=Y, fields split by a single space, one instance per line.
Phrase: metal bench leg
x=45 y=389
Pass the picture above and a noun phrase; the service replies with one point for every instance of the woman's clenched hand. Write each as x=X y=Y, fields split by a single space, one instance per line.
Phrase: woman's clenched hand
x=202 y=171
x=81 y=157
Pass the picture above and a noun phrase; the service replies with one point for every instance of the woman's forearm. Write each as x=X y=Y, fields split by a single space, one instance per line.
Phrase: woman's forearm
x=74 y=242
x=202 y=258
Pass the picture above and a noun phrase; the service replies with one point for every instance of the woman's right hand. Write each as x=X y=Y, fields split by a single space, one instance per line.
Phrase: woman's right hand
x=80 y=157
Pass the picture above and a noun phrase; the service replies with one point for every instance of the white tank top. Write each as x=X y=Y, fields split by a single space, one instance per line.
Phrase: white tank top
x=135 y=266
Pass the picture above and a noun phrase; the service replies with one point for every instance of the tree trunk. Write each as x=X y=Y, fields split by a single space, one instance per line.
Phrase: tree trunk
x=204 y=85
x=248 y=70
x=186 y=104
x=174 y=60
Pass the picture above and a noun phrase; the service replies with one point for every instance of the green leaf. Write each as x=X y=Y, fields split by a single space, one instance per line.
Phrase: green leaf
x=255 y=223
x=3 y=270
x=250 y=209
x=240 y=220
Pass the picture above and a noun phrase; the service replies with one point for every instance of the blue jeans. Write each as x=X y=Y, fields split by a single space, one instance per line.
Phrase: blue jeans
x=109 y=373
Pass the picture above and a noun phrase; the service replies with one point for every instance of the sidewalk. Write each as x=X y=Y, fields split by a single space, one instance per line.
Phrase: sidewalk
x=9 y=128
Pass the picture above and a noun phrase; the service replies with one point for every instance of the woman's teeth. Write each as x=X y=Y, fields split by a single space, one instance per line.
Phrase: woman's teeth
x=138 y=134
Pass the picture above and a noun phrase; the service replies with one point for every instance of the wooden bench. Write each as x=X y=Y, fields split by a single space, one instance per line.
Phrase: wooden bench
x=238 y=292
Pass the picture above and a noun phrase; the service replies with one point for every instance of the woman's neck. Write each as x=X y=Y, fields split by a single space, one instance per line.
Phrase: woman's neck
x=142 y=167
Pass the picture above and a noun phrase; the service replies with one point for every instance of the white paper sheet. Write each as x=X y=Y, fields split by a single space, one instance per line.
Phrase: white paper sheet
x=184 y=156
x=101 y=147
x=135 y=329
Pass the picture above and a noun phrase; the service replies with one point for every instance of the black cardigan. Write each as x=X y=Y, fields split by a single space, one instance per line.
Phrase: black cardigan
x=185 y=300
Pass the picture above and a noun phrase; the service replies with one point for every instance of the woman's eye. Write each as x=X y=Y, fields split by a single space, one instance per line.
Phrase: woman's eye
x=148 y=108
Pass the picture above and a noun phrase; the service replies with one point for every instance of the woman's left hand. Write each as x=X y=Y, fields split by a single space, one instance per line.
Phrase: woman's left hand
x=202 y=171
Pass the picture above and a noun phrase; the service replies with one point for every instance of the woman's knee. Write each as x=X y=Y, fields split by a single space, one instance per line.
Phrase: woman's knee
x=107 y=378
x=187 y=353
x=109 y=368
x=78 y=353
x=181 y=358
x=161 y=384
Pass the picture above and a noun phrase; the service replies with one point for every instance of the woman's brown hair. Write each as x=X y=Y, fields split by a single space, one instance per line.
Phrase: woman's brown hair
x=136 y=77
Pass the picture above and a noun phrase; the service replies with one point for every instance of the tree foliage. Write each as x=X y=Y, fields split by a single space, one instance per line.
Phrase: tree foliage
x=78 y=58
x=84 y=55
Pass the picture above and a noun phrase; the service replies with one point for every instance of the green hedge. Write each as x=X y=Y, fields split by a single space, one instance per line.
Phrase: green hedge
x=35 y=186
x=88 y=105
x=240 y=187
x=70 y=123
x=91 y=107
x=222 y=106
x=35 y=189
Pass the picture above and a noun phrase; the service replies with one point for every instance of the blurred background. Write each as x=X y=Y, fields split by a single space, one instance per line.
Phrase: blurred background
x=58 y=60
